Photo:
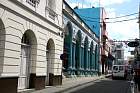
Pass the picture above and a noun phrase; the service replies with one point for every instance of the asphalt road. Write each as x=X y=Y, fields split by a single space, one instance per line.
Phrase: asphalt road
x=103 y=86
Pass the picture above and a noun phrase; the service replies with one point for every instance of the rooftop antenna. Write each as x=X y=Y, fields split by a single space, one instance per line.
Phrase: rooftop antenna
x=83 y=3
x=90 y=5
x=99 y=3
x=78 y=4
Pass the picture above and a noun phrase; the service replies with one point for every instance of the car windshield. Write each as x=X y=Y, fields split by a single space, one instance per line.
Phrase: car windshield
x=115 y=68
x=121 y=68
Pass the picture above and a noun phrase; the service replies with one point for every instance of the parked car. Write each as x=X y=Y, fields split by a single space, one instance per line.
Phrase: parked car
x=119 y=71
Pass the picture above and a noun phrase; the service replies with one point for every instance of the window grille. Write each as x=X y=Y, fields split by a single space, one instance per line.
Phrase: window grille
x=34 y=3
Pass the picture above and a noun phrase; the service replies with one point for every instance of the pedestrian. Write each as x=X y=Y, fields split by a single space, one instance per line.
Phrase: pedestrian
x=136 y=68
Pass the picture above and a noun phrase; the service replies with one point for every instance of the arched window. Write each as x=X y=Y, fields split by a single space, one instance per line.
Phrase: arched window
x=78 y=50
x=86 y=53
x=91 y=55
x=67 y=62
x=50 y=55
x=28 y=60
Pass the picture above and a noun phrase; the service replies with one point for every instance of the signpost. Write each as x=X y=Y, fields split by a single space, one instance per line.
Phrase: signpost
x=133 y=44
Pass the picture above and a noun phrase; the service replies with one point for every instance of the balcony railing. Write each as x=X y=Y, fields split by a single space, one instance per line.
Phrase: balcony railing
x=106 y=47
x=105 y=33
x=104 y=52
x=33 y=3
x=52 y=13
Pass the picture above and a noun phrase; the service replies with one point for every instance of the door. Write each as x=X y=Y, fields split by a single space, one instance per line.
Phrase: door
x=50 y=60
x=23 y=81
x=47 y=77
x=48 y=67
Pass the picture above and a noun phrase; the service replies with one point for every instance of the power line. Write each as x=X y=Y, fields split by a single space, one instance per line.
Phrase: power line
x=113 y=21
x=112 y=17
x=90 y=20
x=124 y=20
x=107 y=18
x=124 y=15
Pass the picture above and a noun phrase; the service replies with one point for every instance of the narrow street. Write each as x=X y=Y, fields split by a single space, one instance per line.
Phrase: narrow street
x=69 y=46
x=103 y=86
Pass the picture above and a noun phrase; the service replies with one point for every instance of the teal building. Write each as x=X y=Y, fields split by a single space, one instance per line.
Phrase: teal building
x=81 y=47
x=95 y=18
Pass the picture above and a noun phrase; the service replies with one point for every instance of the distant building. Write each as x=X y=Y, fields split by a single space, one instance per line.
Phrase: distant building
x=111 y=54
x=119 y=54
x=130 y=60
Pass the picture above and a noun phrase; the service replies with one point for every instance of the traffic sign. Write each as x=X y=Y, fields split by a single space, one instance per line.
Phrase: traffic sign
x=133 y=44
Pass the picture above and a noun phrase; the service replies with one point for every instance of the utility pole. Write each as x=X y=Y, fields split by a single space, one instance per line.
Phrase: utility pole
x=139 y=21
x=83 y=3
x=99 y=3
x=139 y=29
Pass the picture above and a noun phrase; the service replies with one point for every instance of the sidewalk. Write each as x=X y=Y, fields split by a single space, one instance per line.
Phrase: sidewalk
x=68 y=83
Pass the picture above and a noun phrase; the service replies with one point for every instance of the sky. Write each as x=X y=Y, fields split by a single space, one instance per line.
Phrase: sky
x=125 y=30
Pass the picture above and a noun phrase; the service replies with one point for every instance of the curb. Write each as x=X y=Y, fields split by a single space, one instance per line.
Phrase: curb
x=107 y=76
x=27 y=91
x=69 y=88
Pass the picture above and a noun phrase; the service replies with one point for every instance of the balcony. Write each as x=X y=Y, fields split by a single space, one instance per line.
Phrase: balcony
x=106 y=47
x=104 y=52
x=52 y=13
x=34 y=3
x=105 y=34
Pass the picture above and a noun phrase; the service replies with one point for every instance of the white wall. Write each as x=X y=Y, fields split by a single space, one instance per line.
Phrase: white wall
x=17 y=20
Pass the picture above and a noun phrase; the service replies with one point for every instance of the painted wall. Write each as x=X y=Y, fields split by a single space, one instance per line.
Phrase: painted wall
x=83 y=46
x=92 y=17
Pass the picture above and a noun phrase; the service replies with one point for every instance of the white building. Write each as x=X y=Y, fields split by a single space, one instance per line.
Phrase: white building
x=119 y=53
x=30 y=44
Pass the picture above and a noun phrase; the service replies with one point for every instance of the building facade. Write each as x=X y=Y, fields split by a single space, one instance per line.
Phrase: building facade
x=31 y=43
x=111 y=54
x=95 y=17
x=119 y=54
x=105 y=48
x=81 y=47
